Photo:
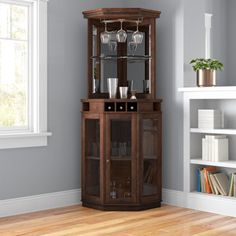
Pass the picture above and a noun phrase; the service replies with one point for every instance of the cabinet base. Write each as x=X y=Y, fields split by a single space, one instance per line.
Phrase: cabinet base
x=121 y=207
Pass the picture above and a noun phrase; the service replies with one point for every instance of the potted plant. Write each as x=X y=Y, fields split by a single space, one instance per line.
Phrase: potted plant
x=206 y=71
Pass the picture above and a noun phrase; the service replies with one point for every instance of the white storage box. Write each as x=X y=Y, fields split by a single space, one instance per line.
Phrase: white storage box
x=210 y=119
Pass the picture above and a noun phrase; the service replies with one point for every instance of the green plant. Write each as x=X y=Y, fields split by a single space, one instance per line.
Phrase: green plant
x=206 y=64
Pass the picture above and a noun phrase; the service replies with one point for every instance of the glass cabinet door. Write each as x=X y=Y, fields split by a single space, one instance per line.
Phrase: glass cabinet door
x=92 y=157
x=120 y=159
x=150 y=145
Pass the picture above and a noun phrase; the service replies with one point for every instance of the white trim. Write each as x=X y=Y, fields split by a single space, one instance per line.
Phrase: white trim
x=173 y=197
x=40 y=202
x=201 y=202
x=22 y=140
x=208 y=35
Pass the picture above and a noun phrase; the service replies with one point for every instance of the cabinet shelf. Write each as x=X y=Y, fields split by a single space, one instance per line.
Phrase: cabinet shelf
x=120 y=158
x=92 y=158
x=150 y=158
x=213 y=131
x=227 y=164
x=127 y=57
x=150 y=130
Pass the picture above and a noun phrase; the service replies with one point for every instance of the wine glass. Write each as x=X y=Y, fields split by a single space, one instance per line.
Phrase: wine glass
x=133 y=47
x=137 y=35
x=121 y=35
x=105 y=36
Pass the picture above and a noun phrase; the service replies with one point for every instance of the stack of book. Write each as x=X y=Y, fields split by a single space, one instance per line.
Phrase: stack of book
x=215 y=148
x=214 y=182
x=210 y=119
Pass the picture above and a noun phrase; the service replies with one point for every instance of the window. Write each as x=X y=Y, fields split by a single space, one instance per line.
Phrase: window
x=23 y=73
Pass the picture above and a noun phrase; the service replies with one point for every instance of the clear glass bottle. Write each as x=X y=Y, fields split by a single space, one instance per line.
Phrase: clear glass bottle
x=113 y=193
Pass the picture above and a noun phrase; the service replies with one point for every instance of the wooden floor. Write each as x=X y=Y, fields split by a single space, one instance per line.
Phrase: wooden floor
x=77 y=220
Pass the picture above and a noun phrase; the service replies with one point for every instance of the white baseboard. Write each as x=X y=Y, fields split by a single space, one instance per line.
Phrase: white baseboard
x=201 y=202
x=173 y=197
x=40 y=202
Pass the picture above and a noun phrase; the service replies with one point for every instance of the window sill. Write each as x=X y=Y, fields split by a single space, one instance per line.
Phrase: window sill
x=22 y=140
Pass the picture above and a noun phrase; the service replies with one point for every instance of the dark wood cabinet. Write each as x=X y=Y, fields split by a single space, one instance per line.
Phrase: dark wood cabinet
x=121 y=138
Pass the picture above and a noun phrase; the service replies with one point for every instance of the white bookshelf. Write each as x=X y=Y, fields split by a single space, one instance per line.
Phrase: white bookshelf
x=222 y=98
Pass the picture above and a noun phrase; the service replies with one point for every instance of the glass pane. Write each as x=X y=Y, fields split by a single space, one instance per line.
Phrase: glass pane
x=121 y=165
x=13 y=21
x=121 y=139
x=19 y=18
x=149 y=177
x=5 y=20
x=149 y=147
x=92 y=155
x=108 y=67
x=138 y=69
x=13 y=83
x=92 y=138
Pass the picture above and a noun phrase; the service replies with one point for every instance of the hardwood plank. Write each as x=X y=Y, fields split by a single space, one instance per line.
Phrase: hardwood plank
x=78 y=220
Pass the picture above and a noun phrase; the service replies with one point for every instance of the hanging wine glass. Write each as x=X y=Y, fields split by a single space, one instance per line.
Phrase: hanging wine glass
x=137 y=36
x=133 y=47
x=121 y=35
x=105 y=36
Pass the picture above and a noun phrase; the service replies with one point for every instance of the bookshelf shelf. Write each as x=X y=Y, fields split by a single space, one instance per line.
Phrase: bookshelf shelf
x=213 y=131
x=214 y=196
x=226 y=164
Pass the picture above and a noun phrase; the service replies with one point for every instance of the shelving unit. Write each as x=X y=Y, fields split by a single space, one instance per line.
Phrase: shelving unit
x=222 y=98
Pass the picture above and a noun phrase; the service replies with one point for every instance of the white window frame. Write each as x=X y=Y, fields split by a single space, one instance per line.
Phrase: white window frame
x=38 y=134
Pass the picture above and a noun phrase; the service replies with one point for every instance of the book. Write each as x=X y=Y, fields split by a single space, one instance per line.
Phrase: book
x=223 y=183
x=203 y=190
x=234 y=185
x=211 y=184
x=221 y=147
x=198 y=180
x=231 y=188
x=206 y=170
x=204 y=149
x=215 y=185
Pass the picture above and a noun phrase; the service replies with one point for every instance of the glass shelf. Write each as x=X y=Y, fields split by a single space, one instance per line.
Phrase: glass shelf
x=127 y=57
x=120 y=158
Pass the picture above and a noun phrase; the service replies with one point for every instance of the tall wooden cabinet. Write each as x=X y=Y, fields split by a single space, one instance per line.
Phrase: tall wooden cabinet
x=121 y=138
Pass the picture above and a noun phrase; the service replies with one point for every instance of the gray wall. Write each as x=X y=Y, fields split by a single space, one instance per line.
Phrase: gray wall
x=30 y=171
x=169 y=79
x=231 y=42
x=194 y=37
x=56 y=167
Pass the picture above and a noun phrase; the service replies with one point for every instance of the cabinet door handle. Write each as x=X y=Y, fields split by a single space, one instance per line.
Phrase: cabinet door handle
x=108 y=161
x=109 y=108
x=131 y=108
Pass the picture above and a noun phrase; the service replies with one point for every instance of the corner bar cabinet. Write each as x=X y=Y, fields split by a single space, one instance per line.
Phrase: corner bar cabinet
x=121 y=138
